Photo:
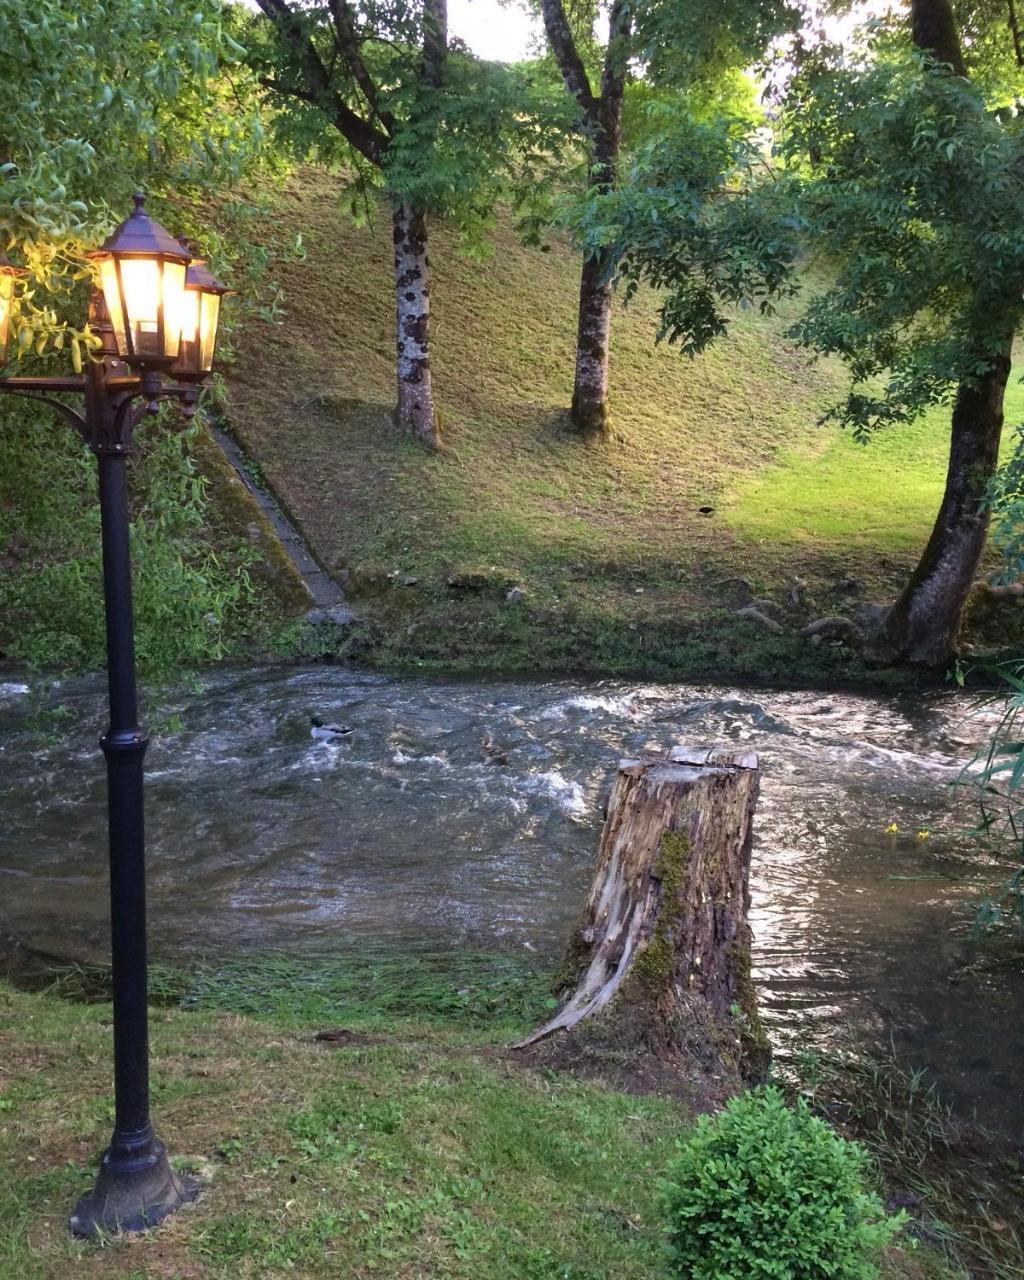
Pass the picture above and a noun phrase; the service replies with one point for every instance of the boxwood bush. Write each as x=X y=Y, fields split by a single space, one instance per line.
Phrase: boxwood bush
x=763 y=1190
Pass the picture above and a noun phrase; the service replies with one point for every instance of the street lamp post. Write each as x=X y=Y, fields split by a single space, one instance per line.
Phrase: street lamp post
x=156 y=319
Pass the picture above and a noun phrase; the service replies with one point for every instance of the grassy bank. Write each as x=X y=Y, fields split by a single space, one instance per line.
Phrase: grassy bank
x=717 y=469
x=407 y=1146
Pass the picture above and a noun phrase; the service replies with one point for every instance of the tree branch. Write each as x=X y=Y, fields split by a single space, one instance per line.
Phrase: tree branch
x=288 y=91
x=574 y=73
x=613 y=88
x=318 y=89
x=348 y=44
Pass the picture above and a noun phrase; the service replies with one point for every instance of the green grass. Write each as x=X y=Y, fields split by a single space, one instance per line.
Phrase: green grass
x=404 y=1153
x=415 y=1149
x=502 y=991
x=619 y=565
x=833 y=493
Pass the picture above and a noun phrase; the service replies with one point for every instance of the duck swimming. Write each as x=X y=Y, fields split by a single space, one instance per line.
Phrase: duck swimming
x=493 y=752
x=329 y=732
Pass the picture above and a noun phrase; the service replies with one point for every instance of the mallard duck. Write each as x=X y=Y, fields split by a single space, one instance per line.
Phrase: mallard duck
x=493 y=752
x=328 y=731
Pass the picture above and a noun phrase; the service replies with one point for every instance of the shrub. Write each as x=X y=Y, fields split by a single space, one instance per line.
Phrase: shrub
x=997 y=775
x=761 y=1190
x=194 y=602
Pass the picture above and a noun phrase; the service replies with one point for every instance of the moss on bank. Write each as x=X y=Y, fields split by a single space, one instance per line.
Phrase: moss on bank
x=432 y=633
x=233 y=515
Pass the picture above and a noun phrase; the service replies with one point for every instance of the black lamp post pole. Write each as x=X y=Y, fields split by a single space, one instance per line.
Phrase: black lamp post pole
x=135 y=1186
x=124 y=746
x=156 y=322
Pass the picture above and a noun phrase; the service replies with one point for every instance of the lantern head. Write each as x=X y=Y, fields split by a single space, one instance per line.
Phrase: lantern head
x=200 y=315
x=8 y=274
x=142 y=272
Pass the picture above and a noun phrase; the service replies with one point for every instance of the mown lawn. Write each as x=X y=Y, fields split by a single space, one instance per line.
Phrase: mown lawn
x=412 y=1149
x=401 y=1154
x=832 y=493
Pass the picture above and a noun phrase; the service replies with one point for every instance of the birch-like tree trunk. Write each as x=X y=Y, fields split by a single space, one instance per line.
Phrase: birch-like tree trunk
x=589 y=411
x=415 y=411
x=658 y=969
x=323 y=81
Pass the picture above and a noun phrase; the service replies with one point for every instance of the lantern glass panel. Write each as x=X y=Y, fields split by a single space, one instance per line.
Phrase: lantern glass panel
x=6 y=293
x=190 y=317
x=140 y=283
x=187 y=363
x=112 y=297
x=208 y=329
x=174 y=307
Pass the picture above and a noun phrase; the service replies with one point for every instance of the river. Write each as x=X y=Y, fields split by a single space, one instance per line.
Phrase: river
x=262 y=837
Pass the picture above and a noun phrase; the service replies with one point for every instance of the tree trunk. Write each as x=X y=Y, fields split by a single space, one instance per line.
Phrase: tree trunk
x=435 y=41
x=601 y=122
x=590 y=388
x=923 y=625
x=933 y=28
x=659 y=966
x=415 y=410
x=593 y=333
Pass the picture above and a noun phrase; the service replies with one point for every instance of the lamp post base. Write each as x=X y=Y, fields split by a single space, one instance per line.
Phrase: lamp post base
x=135 y=1188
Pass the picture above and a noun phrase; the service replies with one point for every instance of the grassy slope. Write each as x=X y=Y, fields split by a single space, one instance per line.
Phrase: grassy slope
x=411 y=1153
x=619 y=564
x=831 y=492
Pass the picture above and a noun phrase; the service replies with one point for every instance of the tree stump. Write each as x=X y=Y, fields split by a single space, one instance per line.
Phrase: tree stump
x=657 y=973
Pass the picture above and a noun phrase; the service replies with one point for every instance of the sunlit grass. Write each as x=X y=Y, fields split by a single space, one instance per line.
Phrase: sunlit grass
x=831 y=491
x=619 y=563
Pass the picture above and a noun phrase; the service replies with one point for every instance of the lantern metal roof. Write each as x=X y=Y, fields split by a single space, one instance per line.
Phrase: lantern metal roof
x=143 y=237
x=199 y=276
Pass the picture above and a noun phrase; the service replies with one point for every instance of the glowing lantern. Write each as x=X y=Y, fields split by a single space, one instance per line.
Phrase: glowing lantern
x=142 y=272
x=200 y=314
x=8 y=274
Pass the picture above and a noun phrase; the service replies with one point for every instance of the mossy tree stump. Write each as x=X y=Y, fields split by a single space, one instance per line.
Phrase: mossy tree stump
x=658 y=970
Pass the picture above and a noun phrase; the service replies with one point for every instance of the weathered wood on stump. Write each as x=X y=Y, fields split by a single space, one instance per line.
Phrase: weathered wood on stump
x=659 y=966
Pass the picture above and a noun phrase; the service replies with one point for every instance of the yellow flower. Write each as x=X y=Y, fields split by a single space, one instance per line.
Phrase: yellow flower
x=891 y=829
x=923 y=834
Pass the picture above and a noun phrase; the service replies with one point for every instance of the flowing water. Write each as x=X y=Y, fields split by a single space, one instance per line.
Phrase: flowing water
x=262 y=837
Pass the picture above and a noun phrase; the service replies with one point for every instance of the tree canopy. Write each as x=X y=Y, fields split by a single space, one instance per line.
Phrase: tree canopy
x=909 y=189
x=352 y=88
x=96 y=99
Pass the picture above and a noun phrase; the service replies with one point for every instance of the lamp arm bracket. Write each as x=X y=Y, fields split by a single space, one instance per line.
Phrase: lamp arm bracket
x=112 y=411
x=110 y=432
x=187 y=395
x=72 y=416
